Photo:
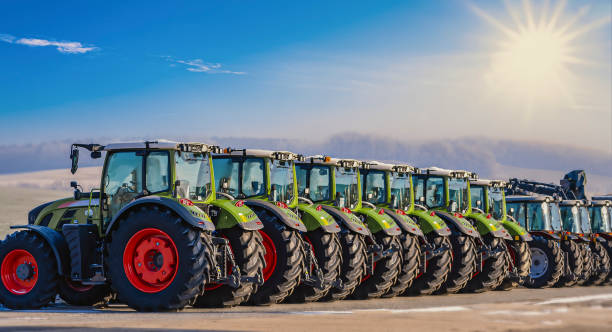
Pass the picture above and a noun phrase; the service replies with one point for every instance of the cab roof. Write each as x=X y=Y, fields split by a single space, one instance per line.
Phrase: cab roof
x=327 y=160
x=161 y=144
x=279 y=155
x=521 y=198
x=401 y=168
x=449 y=172
x=489 y=183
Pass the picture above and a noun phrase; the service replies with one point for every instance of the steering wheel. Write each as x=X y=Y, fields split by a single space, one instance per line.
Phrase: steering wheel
x=228 y=196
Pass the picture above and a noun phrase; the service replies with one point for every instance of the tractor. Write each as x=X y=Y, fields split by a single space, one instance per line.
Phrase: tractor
x=601 y=226
x=302 y=254
x=389 y=187
x=541 y=217
x=144 y=235
x=371 y=258
x=488 y=199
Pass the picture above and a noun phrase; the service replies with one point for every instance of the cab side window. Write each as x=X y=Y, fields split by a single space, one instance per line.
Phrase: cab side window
x=158 y=172
x=123 y=179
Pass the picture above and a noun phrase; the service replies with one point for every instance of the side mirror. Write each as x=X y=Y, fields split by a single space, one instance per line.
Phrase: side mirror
x=73 y=184
x=74 y=157
x=96 y=155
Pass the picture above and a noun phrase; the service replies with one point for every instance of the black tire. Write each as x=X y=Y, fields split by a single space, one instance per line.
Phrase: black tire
x=547 y=263
x=588 y=262
x=74 y=293
x=494 y=268
x=607 y=244
x=463 y=265
x=189 y=275
x=437 y=269
x=385 y=271
x=42 y=280
x=574 y=254
x=601 y=263
x=410 y=258
x=353 y=266
x=287 y=272
x=248 y=250
x=328 y=253
x=520 y=264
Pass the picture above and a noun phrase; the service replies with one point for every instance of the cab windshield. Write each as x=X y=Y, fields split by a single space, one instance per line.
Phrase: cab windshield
x=585 y=220
x=281 y=181
x=570 y=218
x=539 y=216
x=375 y=187
x=316 y=179
x=193 y=171
x=347 y=191
x=430 y=189
x=555 y=216
x=240 y=177
x=600 y=219
x=496 y=202
x=458 y=194
x=478 y=200
x=400 y=191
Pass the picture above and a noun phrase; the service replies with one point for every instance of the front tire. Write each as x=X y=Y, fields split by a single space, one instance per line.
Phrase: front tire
x=601 y=262
x=547 y=263
x=28 y=271
x=588 y=264
x=520 y=264
x=156 y=262
x=575 y=260
x=410 y=258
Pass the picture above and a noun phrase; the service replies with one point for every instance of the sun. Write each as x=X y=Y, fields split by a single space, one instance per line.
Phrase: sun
x=533 y=57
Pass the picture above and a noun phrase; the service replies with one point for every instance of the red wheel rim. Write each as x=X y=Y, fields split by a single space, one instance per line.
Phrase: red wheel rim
x=270 y=256
x=213 y=286
x=77 y=286
x=512 y=258
x=150 y=260
x=19 y=272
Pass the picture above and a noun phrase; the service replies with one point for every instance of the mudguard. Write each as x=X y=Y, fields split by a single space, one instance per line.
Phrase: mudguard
x=516 y=231
x=377 y=220
x=235 y=213
x=57 y=243
x=405 y=222
x=314 y=217
x=429 y=222
x=487 y=225
x=349 y=220
x=285 y=215
x=461 y=225
x=599 y=239
x=553 y=236
x=192 y=215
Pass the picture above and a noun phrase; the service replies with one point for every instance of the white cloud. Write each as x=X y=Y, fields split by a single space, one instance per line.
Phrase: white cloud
x=199 y=66
x=69 y=47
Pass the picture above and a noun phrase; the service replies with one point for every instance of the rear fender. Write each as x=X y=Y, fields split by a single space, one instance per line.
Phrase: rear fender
x=378 y=221
x=405 y=222
x=460 y=225
x=285 y=215
x=487 y=225
x=58 y=245
x=314 y=217
x=516 y=231
x=429 y=223
x=235 y=213
x=191 y=215
x=347 y=219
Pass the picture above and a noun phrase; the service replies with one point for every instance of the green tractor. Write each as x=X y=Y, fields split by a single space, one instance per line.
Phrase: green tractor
x=541 y=217
x=302 y=253
x=389 y=187
x=145 y=234
x=488 y=199
x=601 y=226
x=370 y=238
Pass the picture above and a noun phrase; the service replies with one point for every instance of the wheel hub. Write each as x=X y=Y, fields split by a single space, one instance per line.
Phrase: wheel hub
x=24 y=271
x=539 y=264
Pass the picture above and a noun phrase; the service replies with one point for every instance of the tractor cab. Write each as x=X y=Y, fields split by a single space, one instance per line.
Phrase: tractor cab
x=601 y=221
x=441 y=189
x=575 y=218
x=535 y=213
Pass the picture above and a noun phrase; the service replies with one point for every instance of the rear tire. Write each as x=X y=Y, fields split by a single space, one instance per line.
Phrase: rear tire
x=588 y=262
x=25 y=254
x=575 y=260
x=247 y=247
x=328 y=253
x=494 y=268
x=601 y=263
x=353 y=265
x=170 y=246
x=385 y=271
x=410 y=258
x=75 y=293
x=547 y=263
x=283 y=262
x=463 y=266
x=437 y=269
x=520 y=264
x=607 y=244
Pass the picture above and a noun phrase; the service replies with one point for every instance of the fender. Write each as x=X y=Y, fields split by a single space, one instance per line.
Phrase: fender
x=487 y=225
x=349 y=220
x=314 y=217
x=429 y=222
x=190 y=214
x=461 y=225
x=517 y=232
x=235 y=213
x=57 y=243
x=380 y=222
x=599 y=239
x=285 y=215
x=405 y=222
x=553 y=236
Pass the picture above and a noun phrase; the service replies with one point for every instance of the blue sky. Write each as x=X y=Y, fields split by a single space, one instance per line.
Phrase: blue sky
x=288 y=69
